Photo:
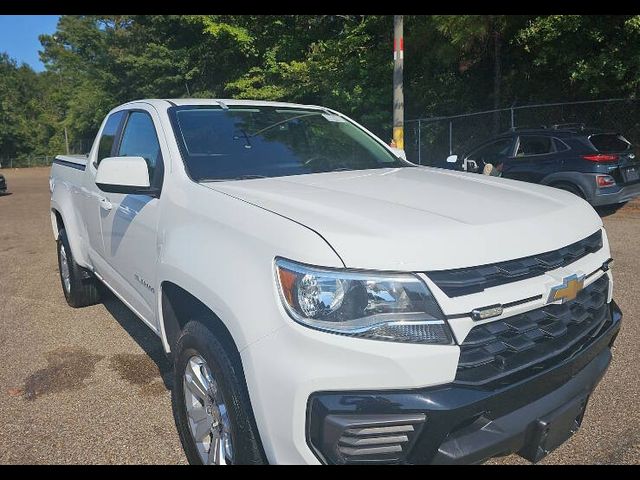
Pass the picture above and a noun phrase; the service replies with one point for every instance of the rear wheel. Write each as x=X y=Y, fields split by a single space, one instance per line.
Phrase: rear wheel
x=78 y=284
x=568 y=187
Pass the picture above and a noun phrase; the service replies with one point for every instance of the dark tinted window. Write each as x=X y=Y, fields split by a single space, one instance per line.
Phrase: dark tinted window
x=108 y=135
x=534 y=146
x=139 y=139
x=609 y=142
x=221 y=144
x=560 y=145
x=493 y=152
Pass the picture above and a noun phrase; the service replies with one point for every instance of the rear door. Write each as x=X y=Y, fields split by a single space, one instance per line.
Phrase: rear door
x=92 y=208
x=129 y=227
x=534 y=158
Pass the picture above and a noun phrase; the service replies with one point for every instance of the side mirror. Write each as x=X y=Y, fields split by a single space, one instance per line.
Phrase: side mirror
x=128 y=175
x=452 y=159
x=399 y=152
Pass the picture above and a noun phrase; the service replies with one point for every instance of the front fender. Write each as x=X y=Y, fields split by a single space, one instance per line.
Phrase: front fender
x=221 y=250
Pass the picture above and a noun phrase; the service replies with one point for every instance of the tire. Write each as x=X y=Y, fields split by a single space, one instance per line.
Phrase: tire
x=197 y=342
x=80 y=287
x=568 y=187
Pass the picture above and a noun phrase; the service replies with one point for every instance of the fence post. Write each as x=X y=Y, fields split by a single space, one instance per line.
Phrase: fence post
x=450 y=137
x=419 y=142
x=513 y=124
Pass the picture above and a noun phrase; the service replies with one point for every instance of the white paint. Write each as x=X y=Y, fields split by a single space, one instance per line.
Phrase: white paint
x=125 y=171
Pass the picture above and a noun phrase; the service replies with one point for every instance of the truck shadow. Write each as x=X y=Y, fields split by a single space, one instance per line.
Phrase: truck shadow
x=142 y=335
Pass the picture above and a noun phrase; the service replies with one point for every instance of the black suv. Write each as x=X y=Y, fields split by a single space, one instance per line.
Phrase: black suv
x=600 y=166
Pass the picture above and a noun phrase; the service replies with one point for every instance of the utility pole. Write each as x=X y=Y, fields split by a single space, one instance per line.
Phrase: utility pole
x=398 y=94
x=66 y=139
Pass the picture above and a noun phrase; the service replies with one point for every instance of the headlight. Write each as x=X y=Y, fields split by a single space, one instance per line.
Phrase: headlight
x=392 y=307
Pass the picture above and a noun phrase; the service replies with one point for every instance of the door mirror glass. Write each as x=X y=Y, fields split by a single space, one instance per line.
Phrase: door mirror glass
x=128 y=175
x=452 y=159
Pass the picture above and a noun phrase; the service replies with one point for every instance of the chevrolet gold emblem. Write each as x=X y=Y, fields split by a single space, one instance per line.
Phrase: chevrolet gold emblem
x=569 y=289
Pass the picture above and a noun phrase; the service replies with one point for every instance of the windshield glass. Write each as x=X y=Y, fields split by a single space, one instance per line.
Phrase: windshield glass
x=240 y=142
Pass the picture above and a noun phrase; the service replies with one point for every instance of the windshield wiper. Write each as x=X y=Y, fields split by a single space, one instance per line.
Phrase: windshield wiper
x=248 y=177
x=241 y=177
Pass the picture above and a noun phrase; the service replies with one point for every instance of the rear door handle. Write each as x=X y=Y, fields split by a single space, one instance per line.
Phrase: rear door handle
x=105 y=204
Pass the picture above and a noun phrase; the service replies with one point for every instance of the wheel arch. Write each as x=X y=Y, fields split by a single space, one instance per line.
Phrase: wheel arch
x=584 y=183
x=57 y=223
x=179 y=306
x=64 y=215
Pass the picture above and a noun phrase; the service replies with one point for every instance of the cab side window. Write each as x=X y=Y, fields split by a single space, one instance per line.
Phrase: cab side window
x=534 y=146
x=139 y=139
x=494 y=152
x=105 y=147
x=560 y=145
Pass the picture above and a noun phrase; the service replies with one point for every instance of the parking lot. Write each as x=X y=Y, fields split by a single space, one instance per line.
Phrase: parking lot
x=91 y=385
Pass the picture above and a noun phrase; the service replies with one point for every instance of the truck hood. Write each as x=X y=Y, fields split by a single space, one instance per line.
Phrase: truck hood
x=422 y=218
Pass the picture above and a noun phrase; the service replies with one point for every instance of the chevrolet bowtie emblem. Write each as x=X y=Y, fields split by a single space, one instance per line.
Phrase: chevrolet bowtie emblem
x=569 y=289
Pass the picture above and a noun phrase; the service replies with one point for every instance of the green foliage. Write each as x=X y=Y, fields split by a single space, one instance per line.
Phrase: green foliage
x=452 y=65
x=588 y=56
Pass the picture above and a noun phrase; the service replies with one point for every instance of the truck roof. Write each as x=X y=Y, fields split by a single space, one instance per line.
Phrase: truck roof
x=166 y=102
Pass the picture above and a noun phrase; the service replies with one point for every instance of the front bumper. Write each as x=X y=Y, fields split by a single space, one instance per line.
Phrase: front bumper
x=459 y=424
x=615 y=194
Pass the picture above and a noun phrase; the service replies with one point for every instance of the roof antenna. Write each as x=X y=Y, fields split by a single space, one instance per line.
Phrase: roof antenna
x=222 y=104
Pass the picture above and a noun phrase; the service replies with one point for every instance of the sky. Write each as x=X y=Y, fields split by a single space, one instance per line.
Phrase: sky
x=19 y=36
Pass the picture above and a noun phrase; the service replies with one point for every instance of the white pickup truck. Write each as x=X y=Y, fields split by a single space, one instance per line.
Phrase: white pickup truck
x=324 y=300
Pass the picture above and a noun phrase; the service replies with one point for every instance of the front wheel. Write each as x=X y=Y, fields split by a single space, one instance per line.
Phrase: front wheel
x=211 y=406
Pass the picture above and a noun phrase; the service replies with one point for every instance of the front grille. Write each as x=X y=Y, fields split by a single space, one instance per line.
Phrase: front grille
x=464 y=281
x=501 y=351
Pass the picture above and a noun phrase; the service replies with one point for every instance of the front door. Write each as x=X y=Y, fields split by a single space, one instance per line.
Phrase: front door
x=129 y=222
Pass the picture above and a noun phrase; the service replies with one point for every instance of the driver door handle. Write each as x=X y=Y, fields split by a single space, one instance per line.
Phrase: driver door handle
x=105 y=204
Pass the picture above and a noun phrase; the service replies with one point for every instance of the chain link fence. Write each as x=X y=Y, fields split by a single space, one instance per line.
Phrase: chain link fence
x=26 y=161
x=77 y=147
x=428 y=141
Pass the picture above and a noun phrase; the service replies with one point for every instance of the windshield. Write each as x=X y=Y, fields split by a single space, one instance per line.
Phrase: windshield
x=240 y=143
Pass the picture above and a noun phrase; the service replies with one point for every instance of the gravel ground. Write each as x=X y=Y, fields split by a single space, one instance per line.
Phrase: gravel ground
x=91 y=385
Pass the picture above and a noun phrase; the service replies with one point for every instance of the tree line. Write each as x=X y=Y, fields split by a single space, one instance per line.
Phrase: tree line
x=453 y=64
